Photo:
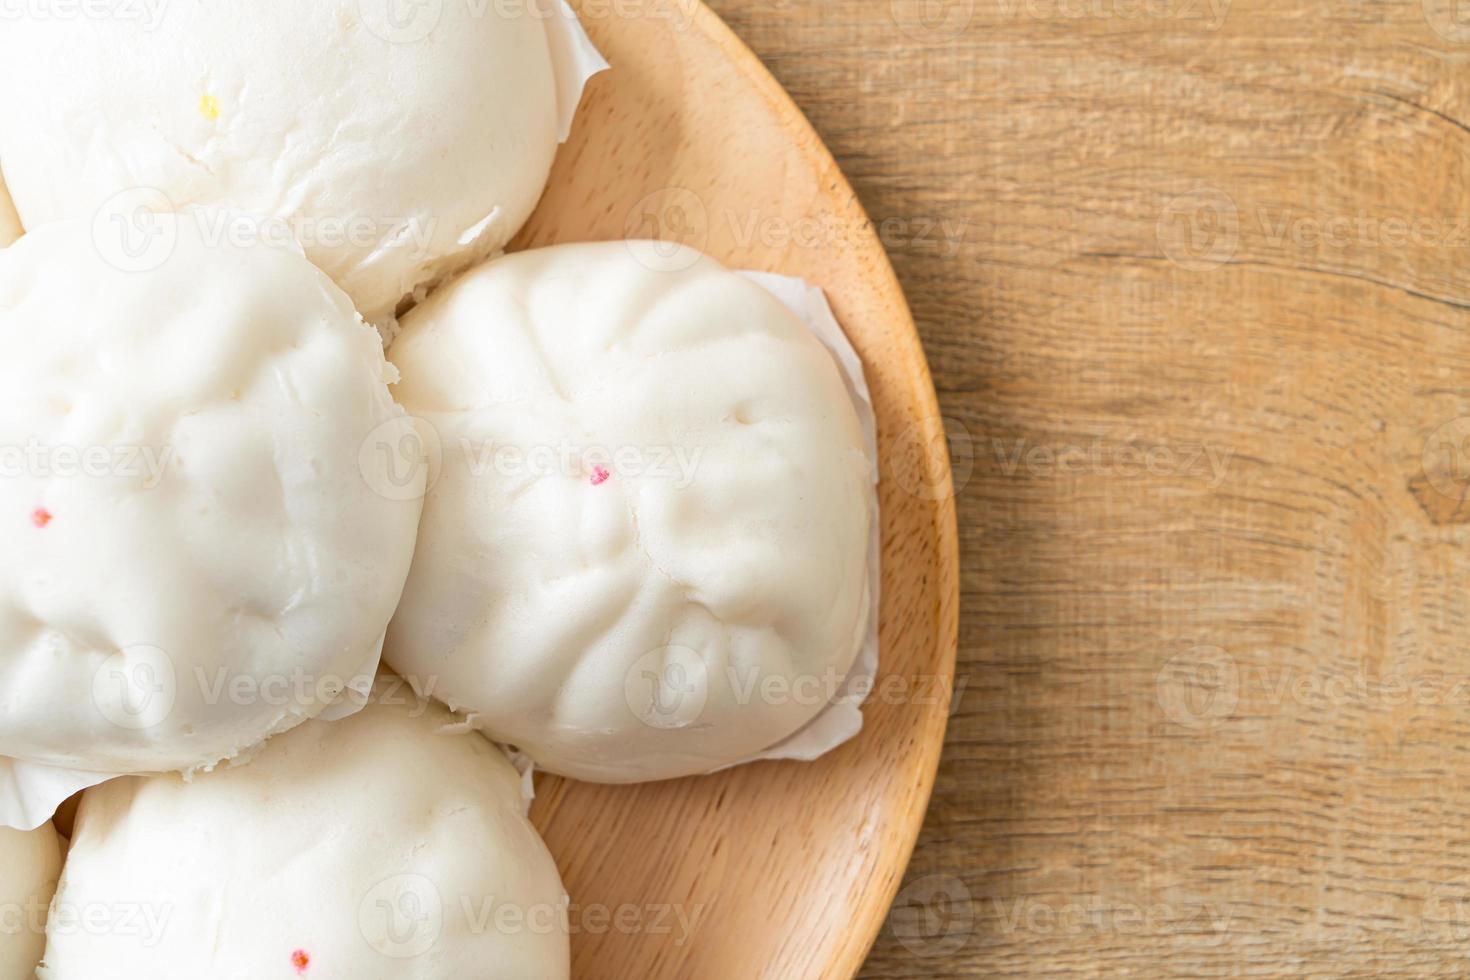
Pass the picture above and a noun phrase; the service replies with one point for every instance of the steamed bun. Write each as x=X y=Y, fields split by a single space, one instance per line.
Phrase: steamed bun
x=644 y=551
x=374 y=847
x=30 y=862
x=202 y=543
x=399 y=142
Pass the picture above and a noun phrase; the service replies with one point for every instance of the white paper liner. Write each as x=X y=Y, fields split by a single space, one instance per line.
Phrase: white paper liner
x=526 y=766
x=574 y=60
x=30 y=793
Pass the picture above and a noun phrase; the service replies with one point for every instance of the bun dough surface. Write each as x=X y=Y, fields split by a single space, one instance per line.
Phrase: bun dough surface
x=201 y=546
x=30 y=862
x=645 y=553
x=372 y=847
x=399 y=142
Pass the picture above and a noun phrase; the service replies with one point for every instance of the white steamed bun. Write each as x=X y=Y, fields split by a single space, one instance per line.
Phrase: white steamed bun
x=398 y=141
x=645 y=553
x=201 y=543
x=374 y=847
x=29 y=864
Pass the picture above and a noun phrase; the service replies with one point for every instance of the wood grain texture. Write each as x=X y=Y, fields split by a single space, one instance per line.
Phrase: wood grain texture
x=1203 y=335
x=771 y=870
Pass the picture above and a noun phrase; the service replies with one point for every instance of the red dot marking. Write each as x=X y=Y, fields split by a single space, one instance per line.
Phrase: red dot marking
x=301 y=960
x=599 y=475
x=40 y=517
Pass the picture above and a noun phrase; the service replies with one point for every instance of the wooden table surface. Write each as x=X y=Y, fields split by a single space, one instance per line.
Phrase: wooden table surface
x=1194 y=281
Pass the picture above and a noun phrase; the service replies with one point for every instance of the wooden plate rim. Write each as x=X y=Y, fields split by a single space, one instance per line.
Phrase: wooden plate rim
x=883 y=888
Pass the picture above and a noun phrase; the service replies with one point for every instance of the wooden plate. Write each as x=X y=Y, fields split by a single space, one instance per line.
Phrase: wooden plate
x=776 y=870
